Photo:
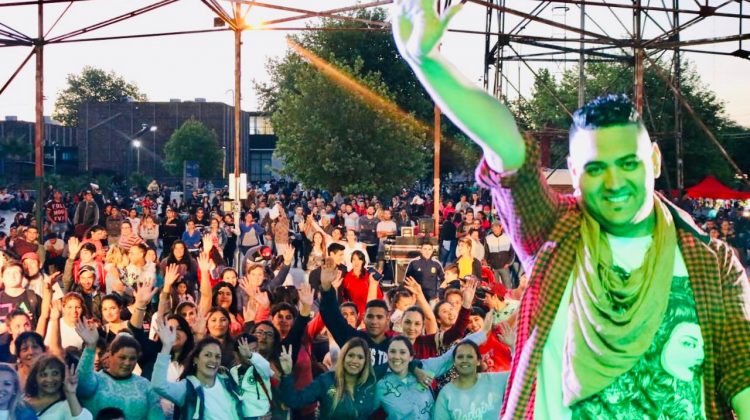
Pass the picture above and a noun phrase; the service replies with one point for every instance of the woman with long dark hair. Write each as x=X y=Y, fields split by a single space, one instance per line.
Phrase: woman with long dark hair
x=471 y=391
x=358 y=286
x=51 y=391
x=346 y=393
x=202 y=392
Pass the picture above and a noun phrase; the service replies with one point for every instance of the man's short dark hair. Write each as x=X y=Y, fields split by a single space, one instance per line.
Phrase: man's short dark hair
x=605 y=111
x=110 y=413
x=284 y=306
x=334 y=247
x=377 y=303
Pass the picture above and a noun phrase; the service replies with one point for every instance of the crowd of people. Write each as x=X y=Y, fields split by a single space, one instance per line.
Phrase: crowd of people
x=137 y=310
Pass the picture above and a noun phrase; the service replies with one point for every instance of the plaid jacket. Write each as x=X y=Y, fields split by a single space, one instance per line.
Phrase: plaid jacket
x=544 y=228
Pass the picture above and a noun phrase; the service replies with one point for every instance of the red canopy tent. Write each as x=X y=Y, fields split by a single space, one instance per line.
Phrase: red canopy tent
x=711 y=187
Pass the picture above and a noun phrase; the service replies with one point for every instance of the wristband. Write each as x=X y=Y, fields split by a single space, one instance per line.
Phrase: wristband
x=140 y=309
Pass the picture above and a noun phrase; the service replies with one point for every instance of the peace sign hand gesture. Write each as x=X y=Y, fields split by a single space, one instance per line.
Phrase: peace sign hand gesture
x=244 y=347
x=71 y=380
x=285 y=359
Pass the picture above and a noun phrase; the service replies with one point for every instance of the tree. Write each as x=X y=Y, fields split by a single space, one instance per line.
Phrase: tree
x=193 y=141
x=542 y=112
x=373 y=55
x=15 y=147
x=332 y=139
x=92 y=85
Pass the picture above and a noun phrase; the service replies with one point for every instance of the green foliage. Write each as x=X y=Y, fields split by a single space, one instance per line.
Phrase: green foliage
x=332 y=139
x=15 y=147
x=138 y=181
x=700 y=156
x=193 y=141
x=369 y=56
x=92 y=85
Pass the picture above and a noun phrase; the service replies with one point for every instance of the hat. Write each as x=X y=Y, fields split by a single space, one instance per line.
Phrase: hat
x=87 y=268
x=31 y=255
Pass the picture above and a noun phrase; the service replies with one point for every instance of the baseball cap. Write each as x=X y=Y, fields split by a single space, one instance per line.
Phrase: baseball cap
x=31 y=255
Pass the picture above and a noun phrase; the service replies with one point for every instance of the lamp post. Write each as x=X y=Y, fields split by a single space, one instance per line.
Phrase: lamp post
x=137 y=142
x=137 y=145
x=54 y=157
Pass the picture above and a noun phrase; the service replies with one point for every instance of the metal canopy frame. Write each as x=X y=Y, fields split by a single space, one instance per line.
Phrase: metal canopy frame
x=666 y=31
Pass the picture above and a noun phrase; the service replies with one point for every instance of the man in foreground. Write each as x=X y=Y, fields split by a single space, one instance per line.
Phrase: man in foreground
x=631 y=311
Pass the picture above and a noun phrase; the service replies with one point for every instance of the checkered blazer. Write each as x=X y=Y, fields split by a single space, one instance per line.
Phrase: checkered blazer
x=544 y=227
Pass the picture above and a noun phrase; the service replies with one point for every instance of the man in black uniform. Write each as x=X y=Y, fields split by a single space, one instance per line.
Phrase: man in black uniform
x=426 y=271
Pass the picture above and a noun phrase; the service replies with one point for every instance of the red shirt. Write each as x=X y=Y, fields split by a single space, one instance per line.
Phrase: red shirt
x=496 y=356
x=355 y=290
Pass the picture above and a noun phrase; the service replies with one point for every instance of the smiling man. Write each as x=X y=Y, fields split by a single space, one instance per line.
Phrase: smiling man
x=631 y=311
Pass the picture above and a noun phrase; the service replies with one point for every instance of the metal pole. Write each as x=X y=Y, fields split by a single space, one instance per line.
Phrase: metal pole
x=54 y=158
x=638 y=55
x=39 y=129
x=436 y=161
x=581 y=61
x=237 y=206
x=677 y=106
x=138 y=159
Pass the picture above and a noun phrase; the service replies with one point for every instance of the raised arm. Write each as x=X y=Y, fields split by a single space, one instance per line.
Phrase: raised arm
x=430 y=323
x=204 y=305
x=417 y=29
x=87 y=379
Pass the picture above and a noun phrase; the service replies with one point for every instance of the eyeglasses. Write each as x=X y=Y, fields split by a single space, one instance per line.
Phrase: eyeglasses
x=267 y=334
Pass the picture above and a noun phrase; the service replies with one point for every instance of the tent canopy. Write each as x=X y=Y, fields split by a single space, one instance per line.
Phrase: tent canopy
x=711 y=187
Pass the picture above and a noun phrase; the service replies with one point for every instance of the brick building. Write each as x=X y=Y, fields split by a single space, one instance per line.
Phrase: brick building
x=60 y=149
x=106 y=132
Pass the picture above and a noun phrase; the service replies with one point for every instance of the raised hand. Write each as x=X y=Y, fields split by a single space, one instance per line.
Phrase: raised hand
x=204 y=262
x=489 y=321
x=306 y=296
x=207 y=244
x=468 y=290
x=71 y=380
x=145 y=293
x=507 y=334
x=50 y=280
x=329 y=274
x=74 y=245
x=171 y=275
x=199 y=325
x=244 y=347
x=88 y=333
x=167 y=334
x=411 y=285
x=285 y=359
x=262 y=299
x=55 y=310
x=250 y=310
x=416 y=26
x=288 y=255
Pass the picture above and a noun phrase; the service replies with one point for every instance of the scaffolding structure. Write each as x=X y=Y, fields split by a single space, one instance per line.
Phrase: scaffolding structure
x=528 y=32
x=651 y=32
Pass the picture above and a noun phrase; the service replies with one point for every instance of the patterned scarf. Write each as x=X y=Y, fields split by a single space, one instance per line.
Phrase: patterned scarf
x=613 y=315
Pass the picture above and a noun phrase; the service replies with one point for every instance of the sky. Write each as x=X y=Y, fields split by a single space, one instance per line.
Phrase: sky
x=201 y=66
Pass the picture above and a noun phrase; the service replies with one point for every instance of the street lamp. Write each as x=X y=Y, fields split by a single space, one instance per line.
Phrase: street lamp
x=137 y=142
x=137 y=145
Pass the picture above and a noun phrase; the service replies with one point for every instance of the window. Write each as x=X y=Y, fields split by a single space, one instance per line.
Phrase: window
x=260 y=124
x=260 y=165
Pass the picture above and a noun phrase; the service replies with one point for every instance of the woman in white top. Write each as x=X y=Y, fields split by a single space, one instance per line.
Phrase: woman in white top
x=202 y=391
x=352 y=245
x=149 y=231
x=51 y=391
x=135 y=221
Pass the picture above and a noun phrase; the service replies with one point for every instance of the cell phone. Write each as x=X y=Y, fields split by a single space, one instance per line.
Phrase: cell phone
x=377 y=276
